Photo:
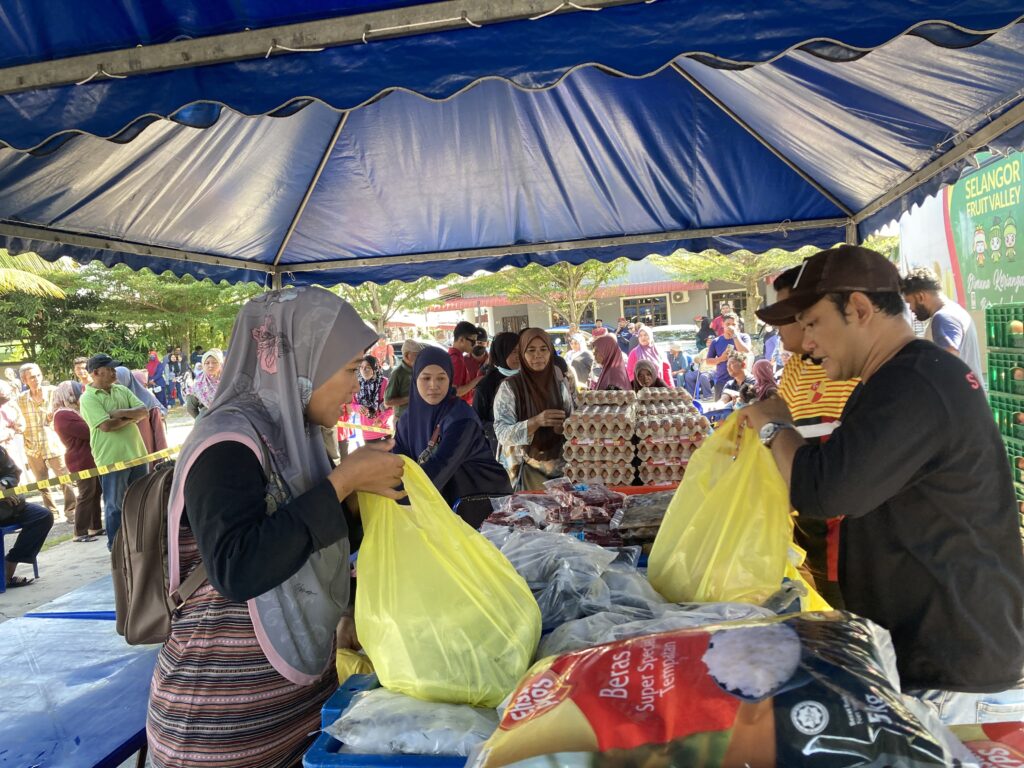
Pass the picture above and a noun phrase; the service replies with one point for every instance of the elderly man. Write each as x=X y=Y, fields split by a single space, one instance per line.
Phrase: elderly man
x=113 y=413
x=43 y=449
x=400 y=384
x=930 y=546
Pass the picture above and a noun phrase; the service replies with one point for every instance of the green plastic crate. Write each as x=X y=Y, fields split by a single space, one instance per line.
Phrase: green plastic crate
x=1006 y=372
x=1009 y=414
x=1015 y=451
x=997 y=326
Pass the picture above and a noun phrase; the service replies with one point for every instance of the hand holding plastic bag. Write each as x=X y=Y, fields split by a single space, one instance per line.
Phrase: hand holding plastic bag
x=441 y=613
x=727 y=531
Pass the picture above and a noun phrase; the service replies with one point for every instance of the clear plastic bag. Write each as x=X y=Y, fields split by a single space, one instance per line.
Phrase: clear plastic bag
x=623 y=591
x=538 y=555
x=382 y=722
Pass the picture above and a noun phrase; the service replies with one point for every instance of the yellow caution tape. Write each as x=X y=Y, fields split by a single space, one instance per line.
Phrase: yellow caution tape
x=365 y=428
x=86 y=473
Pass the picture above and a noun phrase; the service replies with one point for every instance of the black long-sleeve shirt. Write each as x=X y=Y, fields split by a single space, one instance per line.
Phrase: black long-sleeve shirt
x=246 y=551
x=930 y=547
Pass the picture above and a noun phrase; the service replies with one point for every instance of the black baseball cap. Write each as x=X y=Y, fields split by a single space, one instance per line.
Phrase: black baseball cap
x=841 y=269
x=100 y=361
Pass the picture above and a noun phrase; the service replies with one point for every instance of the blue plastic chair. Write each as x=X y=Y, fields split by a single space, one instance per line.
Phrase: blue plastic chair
x=4 y=530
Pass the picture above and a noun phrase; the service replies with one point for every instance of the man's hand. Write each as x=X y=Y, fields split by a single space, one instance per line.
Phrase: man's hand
x=757 y=415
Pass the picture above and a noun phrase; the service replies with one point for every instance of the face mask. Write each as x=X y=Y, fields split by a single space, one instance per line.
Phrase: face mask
x=506 y=372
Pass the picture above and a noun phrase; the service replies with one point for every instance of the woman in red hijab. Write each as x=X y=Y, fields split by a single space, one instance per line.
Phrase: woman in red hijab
x=530 y=409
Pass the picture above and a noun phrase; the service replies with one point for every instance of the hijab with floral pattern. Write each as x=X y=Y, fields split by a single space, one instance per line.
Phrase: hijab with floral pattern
x=285 y=344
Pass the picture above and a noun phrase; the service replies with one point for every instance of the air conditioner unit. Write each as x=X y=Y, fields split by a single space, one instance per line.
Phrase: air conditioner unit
x=680 y=297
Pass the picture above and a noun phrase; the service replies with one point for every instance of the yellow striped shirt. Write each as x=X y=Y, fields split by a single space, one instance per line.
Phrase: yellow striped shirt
x=812 y=397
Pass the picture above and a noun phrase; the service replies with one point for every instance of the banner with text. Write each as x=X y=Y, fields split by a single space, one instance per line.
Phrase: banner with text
x=984 y=209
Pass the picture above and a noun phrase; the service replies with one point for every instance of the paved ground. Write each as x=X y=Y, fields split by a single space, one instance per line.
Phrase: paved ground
x=69 y=565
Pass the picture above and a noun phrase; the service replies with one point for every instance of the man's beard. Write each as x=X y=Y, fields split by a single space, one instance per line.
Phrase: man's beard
x=808 y=356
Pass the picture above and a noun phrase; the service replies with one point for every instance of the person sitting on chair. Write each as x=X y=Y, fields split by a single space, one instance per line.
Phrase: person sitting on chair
x=35 y=521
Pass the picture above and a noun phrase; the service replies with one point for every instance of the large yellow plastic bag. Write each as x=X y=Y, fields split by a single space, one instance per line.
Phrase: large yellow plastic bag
x=727 y=530
x=441 y=613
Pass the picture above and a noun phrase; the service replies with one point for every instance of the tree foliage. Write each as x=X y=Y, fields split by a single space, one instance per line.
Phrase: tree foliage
x=119 y=311
x=567 y=289
x=741 y=267
x=24 y=274
x=378 y=304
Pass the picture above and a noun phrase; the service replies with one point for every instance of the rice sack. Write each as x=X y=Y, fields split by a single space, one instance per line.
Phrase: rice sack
x=816 y=689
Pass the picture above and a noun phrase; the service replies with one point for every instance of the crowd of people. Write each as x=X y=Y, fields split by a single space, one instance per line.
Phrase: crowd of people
x=257 y=494
x=105 y=415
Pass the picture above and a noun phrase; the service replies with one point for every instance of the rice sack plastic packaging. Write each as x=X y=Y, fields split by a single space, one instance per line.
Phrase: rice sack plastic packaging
x=441 y=613
x=812 y=689
x=726 y=535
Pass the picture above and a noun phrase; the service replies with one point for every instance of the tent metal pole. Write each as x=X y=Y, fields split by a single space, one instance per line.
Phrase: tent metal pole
x=851 y=232
x=312 y=185
x=275 y=281
x=761 y=139
x=310 y=36
x=603 y=242
x=122 y=246
x=1010 y=119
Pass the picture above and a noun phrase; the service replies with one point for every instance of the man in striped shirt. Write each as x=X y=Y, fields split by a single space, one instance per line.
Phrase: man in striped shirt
x=816 y=401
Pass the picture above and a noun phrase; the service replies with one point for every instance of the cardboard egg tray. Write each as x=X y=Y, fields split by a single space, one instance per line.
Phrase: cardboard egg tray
x=600 y=422
x=603 y=397
x=623 y=451
x=664 y=395
x=676 y=449
x=607 y=472
x=657 y=474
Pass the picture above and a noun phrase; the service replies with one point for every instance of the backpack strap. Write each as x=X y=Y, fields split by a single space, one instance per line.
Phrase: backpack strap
x=188 y=587
x=195 y=579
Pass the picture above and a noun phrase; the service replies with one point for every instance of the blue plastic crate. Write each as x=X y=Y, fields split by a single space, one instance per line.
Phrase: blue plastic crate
x=325 y=750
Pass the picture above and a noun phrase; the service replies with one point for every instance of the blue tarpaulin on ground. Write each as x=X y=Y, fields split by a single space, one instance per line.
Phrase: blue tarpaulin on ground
x=623 y=132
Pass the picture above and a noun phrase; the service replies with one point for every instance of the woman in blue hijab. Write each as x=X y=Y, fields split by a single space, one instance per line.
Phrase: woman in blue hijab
x=445 y=436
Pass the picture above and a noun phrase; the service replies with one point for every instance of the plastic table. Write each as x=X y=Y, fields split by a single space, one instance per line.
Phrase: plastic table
x=74 y=694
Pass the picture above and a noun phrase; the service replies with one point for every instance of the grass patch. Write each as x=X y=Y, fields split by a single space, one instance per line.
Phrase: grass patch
x=57 y=540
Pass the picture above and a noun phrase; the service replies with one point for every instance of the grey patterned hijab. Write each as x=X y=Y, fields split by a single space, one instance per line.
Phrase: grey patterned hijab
x=284 y=344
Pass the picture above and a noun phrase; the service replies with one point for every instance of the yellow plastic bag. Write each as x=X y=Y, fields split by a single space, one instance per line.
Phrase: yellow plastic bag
x=813 y=601
x=441 y=613
x=349 y=662
x=727 y=530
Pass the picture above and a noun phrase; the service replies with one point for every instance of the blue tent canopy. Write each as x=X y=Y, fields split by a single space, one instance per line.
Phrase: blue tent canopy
x=634 y=129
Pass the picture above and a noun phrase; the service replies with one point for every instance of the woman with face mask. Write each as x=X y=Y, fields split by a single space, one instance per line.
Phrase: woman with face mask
x=444 y=434
x=250 y=659
x=530 y=410
x=504 y=363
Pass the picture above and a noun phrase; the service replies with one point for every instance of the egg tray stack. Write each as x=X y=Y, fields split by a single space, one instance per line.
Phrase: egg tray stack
x=599 y=434
x=669 y=429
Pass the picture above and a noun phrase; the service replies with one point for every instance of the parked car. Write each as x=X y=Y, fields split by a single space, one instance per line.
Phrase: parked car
x=560 y=338
x=665 y=335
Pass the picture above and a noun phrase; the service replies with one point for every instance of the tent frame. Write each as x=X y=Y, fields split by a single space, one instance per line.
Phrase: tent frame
x=310 y=36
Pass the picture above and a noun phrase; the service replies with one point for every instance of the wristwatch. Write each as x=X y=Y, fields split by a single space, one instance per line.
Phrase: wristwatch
x=771 y=430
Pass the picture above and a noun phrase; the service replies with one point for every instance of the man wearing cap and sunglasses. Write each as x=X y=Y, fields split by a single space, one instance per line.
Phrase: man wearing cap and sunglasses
x=931 y=544
x=112 y=412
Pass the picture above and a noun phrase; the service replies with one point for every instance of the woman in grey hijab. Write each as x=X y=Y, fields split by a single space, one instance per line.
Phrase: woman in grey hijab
x=256 y=502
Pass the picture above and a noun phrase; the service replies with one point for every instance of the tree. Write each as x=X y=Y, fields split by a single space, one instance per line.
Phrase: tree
x=380 y=303
x=741 y=267
x=119 y=311
x=567 y=289
x=24 y=274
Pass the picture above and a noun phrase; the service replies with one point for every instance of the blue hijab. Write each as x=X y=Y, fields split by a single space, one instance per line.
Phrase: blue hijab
x=418 y=423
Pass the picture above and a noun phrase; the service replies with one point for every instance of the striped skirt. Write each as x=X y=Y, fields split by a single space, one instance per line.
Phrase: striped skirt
x=215 y=699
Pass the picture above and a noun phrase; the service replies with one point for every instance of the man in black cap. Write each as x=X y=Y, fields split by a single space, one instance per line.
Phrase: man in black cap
x=931 y=543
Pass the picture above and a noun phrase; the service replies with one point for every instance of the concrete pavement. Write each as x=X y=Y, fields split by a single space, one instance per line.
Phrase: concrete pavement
x=70 y=565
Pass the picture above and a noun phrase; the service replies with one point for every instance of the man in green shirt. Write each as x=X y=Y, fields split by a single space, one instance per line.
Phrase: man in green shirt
x=400 y=384
x=112 y=413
